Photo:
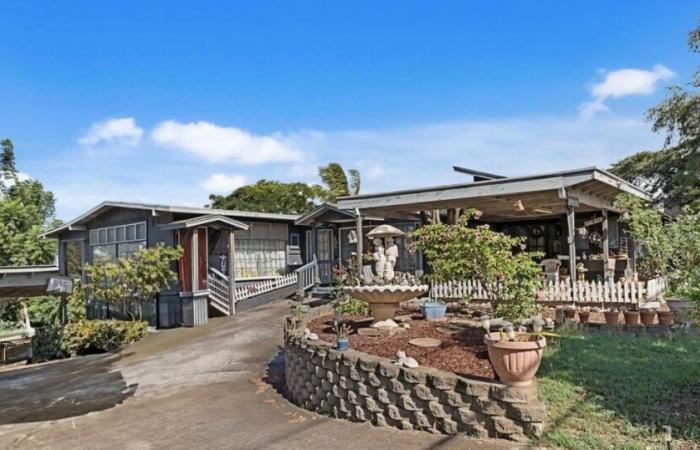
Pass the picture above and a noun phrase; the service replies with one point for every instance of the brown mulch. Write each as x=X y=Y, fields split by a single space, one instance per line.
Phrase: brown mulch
x=463 y=353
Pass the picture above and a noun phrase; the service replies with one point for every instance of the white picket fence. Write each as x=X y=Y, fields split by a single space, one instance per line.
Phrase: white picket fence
x=585 y=292
x=260 y=287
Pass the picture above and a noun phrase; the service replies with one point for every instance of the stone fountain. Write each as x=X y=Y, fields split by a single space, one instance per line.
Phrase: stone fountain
x=382 y=293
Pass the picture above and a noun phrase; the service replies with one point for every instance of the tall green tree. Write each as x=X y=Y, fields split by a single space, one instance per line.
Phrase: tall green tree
x=8 y=171
x=271 y=197
x=338 y=182
x=673 y=172
x=26 y=210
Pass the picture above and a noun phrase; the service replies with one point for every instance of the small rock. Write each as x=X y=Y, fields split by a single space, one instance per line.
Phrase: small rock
x=388 y=324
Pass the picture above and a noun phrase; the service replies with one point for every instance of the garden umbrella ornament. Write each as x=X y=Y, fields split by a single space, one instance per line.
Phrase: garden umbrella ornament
x=385 y=231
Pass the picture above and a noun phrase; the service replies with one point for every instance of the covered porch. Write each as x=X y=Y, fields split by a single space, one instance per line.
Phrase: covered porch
x=569 y=216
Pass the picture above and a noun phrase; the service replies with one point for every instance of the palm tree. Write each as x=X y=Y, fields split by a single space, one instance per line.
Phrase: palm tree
x=336 y=181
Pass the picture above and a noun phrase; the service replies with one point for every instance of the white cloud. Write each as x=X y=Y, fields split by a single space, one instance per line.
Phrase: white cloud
x=623 y=83
x=218 y=144
x=411 y=156
x=220 y=183
x=123 y=130
x=374 y=172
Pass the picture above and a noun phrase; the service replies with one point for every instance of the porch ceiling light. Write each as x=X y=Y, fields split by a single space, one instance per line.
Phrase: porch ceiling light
x=518 y=206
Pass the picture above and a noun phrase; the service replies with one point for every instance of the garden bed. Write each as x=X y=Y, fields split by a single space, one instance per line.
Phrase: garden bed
x=463 y=353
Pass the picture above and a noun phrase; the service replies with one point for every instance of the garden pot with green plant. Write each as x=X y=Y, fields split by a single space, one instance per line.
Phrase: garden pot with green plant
x=612 y=316
x=433 y=309
x=631 y=316
x=647 y=316
x=343 y=331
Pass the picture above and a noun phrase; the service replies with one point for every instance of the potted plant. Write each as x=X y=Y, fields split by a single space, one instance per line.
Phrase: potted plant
x=515 y=357
x=433 y=309
x=343 y=331
x=647 y=316
x=570 y=312
x=666 y=317
x=631 y=316
x=612 y=316
x=584 y=315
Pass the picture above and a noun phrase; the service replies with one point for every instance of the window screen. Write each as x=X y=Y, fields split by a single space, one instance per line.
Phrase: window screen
x=260 y=258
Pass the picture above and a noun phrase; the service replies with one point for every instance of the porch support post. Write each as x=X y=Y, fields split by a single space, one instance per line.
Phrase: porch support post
x=360 y=241
x=571 y=204
x=606 y=245
x=231 y=271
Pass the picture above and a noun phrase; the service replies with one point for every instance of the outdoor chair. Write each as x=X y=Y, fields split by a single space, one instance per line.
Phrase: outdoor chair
x=551 y=270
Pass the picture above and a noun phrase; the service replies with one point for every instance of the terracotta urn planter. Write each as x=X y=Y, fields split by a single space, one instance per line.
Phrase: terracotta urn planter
x=631 y=317
x=515 y=362
x=611 y=317
x=570 y=313
x=666 y=317
x=583 y=316
x=647 y=316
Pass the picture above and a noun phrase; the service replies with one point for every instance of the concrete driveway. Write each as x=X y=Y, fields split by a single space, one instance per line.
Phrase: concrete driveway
x=205 y=387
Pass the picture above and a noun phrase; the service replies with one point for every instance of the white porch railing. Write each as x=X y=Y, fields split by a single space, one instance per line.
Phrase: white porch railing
x=307 y=276
x=304 y=278
x=218 y=285
x=587 y=292
x=261 y=287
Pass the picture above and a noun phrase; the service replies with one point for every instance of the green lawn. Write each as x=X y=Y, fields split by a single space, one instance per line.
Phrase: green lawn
x=617 y=392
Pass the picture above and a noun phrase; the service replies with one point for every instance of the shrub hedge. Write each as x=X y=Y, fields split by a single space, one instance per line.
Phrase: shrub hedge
x=85 y=337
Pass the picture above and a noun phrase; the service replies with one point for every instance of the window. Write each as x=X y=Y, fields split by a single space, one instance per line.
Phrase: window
x=129 y=248
x=104 y=253
x=260 y=258
x=294 y=239
x=120 y=241
x=73 y=258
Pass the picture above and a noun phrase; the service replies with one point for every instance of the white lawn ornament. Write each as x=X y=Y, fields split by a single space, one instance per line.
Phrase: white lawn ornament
x=27 y=324
x=392 y=254
x=405 y=361
x=309 y=335
x=379 y=257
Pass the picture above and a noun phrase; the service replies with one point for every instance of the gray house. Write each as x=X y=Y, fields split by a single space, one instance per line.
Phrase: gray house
x=228 y=255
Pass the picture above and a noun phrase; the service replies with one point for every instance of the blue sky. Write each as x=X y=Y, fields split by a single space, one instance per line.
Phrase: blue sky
x=169 y=101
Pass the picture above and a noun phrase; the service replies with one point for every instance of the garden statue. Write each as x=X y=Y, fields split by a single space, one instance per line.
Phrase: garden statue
x=392 y=254
x=379 y=258
x=388 y=288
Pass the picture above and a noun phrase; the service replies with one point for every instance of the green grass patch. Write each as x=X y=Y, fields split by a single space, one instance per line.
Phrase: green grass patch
x=618 y=392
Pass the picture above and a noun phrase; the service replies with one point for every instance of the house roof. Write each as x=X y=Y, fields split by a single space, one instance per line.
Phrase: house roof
x=78 y=222
x=323 y=209
x=212 y=219
x=596 y=188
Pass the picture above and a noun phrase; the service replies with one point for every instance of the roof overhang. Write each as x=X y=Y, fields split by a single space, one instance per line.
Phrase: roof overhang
x=79 y=222
x=325 y=212
x=209 y=220
x=25 y=281
x=508 y=198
